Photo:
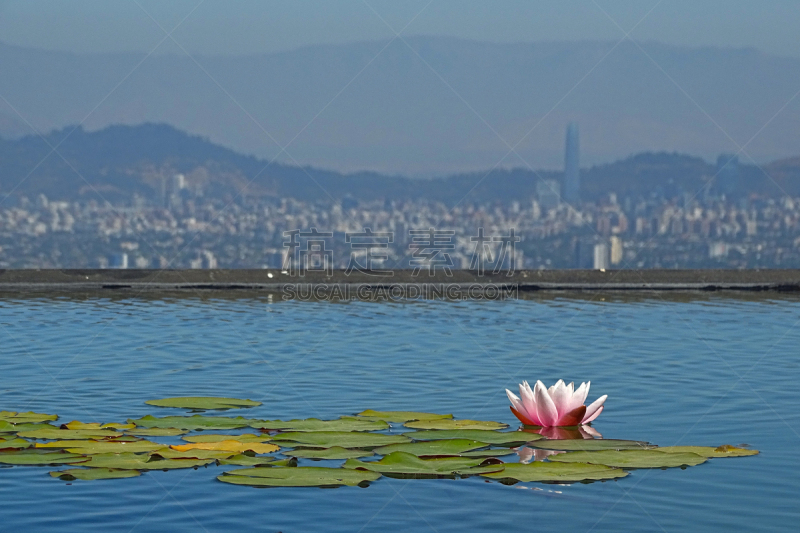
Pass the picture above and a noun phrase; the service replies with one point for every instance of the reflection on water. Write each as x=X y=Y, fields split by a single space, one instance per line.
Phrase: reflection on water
x=677 y=371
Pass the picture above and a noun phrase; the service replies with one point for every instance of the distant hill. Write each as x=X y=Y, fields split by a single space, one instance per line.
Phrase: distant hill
x=120 y=161
x=352 y=107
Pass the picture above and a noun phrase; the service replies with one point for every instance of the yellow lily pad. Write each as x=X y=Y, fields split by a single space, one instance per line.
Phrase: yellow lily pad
x=229 y=446
x=726 y=450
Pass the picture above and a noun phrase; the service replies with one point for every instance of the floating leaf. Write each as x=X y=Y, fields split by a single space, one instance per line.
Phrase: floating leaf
x=302 y=476
x=406 y=464
x=52 y=433
x=446 y=423
x=26 y=418
x=433 y=447
x=216 y=437
x=726 y=450
x=75 y=424
x=314 y=424
x=156 y=432
x=94 y=447
x=336 y=452
x=14 y=443
x=132 y=461
x=558 y=472
x=192 y=422
x=631 y=458
x=39 y=457
x=203 y=402
x=9 y=427
x=253 y=460
x=591 y=445
x=490 y=437
x=93 y=474
x=328 y=439
x=494 y=452
x=228 y=446
x=169 y=453
x=400 y=416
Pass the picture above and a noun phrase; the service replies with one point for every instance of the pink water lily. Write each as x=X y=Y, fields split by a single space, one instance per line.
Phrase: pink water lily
x=560 y=405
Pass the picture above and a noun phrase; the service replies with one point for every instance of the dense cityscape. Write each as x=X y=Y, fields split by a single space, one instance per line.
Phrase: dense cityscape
x=620 y=232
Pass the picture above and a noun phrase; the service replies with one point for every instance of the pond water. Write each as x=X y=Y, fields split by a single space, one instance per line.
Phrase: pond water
x=700 y=371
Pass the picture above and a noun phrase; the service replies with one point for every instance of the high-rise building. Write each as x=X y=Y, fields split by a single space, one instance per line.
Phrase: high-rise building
x=572 y=166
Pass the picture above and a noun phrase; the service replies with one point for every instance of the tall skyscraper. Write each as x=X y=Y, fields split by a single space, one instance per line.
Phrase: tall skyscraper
x=572 y=166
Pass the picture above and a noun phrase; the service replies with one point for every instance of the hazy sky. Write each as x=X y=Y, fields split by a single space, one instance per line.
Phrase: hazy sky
x=263 y=26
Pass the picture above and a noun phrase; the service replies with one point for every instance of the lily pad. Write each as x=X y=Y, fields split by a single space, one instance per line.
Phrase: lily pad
x=94 y=474
x=406 y=464
x=314 y=424
x=345 y=439
x=17 y=444
x=37 y=457
x=169 y=453
x=132 y=461
x=493 y=452
x=726 y=450
x=192 y=422
x=9 y=427
x=302 y=476
x=433 y=447
x=157 y=432
x=489 y=437
x=254 y=460
x=591 y=445
x=75 y=424
x=400 y=416
x=26 y=418
x=52 y=433
x=558 y=472
x=203 y=402
x=631 y=458
x=228 y=446
x=336 y=452
x=446 y=423
x=94 y=447
x=216 y=437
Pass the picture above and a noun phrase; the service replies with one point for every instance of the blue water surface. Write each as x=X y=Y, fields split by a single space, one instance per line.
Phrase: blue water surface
x=687 y=370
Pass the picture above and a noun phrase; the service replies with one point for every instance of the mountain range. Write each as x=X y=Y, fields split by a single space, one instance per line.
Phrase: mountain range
x=424 y=106
x=119 y=161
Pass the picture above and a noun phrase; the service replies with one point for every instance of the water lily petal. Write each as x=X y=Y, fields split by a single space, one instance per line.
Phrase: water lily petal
x=589 y=432
x=573 y=418
x=545 y=408
x=529 y=403
x=519 y=410
x=592 y=410
x=579 y=396
x=522 y=418
x=561 y=398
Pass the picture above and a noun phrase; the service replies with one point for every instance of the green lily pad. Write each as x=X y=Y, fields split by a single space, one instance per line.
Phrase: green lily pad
x=446 y=423
x=39 y=457
x=433 y=447
x=93 y=474
x=591 y=445
x=408 y=465
x=216 y=437
x=345 y=439
x=169 y=453
x=489 y=437
x=493 y=452
x=557 y=472
x=252 y=460
x=400 y=416
x=203 y=402
x=53 y=433
x=725 y=450
x=95 y=447
x=156 y=432
x=336 y=452
x=302 y=476
x=631 y=458
x=132 y=461
x=192 y=422
x=26 y=418
x=314 y=424
x=15 y=443
x=9 y=427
